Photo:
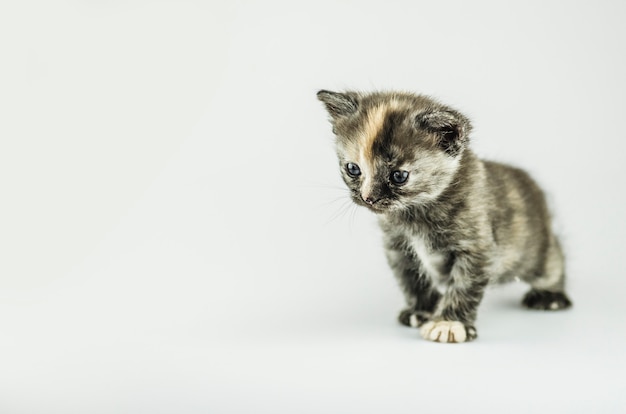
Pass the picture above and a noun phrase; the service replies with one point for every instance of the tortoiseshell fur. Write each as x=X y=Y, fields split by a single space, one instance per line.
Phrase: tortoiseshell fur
x=457 y=224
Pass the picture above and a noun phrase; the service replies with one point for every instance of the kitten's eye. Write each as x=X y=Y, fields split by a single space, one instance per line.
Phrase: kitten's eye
x=353 y=169
x=399 y=177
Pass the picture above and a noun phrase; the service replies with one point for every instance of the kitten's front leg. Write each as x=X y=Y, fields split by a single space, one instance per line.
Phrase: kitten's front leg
x=421 y=296
x=454 y=317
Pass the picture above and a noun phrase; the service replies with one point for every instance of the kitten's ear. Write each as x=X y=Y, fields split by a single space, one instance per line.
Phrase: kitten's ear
x=339 y=104
x=450 y=128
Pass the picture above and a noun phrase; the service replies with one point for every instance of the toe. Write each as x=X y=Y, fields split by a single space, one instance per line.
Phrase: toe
x=445 y=331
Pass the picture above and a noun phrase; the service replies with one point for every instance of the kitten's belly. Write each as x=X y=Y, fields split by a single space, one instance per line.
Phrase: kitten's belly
x=506 y=263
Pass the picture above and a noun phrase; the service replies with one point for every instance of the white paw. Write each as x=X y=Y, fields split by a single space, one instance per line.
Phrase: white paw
x=413 y=321
x=444 y=331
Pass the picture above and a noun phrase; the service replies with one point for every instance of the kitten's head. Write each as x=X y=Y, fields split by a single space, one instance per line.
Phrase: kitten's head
x=395 y=150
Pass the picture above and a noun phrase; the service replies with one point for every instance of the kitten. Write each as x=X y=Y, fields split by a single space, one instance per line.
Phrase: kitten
x=452 y=223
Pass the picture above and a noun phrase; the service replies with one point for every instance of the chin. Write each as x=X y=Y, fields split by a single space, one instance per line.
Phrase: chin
x=378 y=210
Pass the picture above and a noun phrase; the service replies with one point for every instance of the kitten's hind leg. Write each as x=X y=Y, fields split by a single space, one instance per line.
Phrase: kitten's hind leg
x=546 y=300
x=548 y=290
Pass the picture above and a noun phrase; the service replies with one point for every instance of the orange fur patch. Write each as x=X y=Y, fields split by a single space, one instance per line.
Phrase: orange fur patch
x=371 y=128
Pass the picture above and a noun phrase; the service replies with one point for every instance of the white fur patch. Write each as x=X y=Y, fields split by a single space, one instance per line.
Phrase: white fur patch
x=367 y=170
x=444 y=331
x=432 y=262
x=413 y=321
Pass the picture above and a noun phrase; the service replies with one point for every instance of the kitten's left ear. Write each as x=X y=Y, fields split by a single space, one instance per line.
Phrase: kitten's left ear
x=451 y=128
x=339 y=104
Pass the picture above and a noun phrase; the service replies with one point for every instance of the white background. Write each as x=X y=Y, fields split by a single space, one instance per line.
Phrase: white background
x=174 y=235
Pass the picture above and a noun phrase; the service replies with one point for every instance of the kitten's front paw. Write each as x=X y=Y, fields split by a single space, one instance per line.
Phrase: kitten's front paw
x=413 y=318
x=447 y=331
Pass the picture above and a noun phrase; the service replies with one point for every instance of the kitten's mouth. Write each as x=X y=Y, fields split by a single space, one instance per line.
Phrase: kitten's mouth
x=379 y=206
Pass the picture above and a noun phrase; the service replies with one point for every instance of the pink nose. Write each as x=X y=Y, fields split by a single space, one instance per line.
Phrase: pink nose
x=369 y=200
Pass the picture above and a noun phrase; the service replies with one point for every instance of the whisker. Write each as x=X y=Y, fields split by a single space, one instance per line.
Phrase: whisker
x=332 y=201
x=343 y=209
x=355 y=208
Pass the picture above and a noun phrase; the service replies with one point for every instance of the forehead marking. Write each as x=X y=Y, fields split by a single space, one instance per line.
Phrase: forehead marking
x=371 y=127
x=373 y=124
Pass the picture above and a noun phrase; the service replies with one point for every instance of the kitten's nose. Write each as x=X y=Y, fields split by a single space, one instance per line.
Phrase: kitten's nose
x=370 y=200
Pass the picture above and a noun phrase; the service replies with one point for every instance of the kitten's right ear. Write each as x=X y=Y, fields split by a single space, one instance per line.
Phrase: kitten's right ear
x=339 y=104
